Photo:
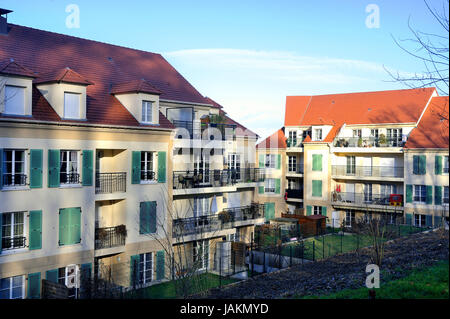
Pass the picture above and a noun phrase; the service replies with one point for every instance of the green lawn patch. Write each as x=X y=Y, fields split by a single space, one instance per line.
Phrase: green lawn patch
x=425 y=283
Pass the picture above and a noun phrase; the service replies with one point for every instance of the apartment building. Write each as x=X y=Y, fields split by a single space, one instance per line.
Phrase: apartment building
x=108 y=155
x=348 y=155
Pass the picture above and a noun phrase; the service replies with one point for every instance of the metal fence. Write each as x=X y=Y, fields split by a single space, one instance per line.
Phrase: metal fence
x=107 y=183
x=366 y=171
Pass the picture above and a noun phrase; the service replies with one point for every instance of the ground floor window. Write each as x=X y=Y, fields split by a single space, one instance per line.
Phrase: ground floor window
x=12 y=287
x=349 y=218
x=445 y=195
x=419 y=220
x=201 y=254
x=317 y=210
x=145 y=268
x=69 y=276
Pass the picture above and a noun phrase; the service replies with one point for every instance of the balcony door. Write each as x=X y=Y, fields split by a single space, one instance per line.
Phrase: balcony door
x=234 y=164
x=351 y=165
x=201 y=168
x=368 y=193
x=367 y=166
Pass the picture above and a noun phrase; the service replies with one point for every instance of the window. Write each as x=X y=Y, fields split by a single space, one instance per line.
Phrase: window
x=71 y=105
x=14 y=168
x=351 y=165
x=145 y=268
x=13 y=230
x=147 y=170
x=387 y=189
x=292 y=138
x=69 y=167
x=367 y=192
x=201 y=206
x=64 y=274
x=317 y=134
x=292 y=164
x=394 y=136
x=419 y=220
x=269 y=186
x=147 y=109
x=445 y=195
x=374 y=137
x=12 y=287
x=357 y=133
x=14 y=100
x=201 y=254
x=271 y=160
x=391 y=218
x=317 y=210
x=306 y=133
x=445 y=165
x=349 y=218
x=420 y=193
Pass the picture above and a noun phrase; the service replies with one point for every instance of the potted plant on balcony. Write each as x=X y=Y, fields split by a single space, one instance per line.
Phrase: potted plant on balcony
x=225 y=217
x=360 y=142
x=102 y=234
x=121 y=230
x=382 y=140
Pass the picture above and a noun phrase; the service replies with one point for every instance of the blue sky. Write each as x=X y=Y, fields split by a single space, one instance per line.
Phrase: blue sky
x=249 y=55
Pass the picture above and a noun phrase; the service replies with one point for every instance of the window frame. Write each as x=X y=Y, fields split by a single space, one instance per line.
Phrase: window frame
x=422 y=189
x=78 y=95
x=445 y=164
x=12 y=230
x=13 y=167
x=317 y=210
x=146 y=170
x=267 y=186
x=147 y=117
x=5 y=100
x=143 y=262
x=317 y=134
x=11 y=287
x=292 y=163
x=270 y=161
x=445 y=199
x=349 y=221
x=67 y=172
x=197 y=245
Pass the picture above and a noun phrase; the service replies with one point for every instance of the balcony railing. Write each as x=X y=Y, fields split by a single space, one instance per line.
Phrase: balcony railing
x=69 y=178
x=13 y=242
x=216 y=222
x=294 y=142
x=108 y=237
x=216 y=178
x=294 y=193
x=367 y=171
x=294 y=169
x=107 y=183
x=369 y=141
x=14 y=179
x=227 y=131
x=361 y=198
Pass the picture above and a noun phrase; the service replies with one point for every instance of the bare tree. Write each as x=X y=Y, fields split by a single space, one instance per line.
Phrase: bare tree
x=432 y=49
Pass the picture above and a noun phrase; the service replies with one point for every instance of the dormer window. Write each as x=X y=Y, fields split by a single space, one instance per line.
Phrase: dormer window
x=71 y=105
x=14 y=100
x=147 y=109
x=317 y=134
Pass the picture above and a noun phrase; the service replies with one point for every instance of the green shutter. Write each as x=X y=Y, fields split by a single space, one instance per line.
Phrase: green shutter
x=34 y=286
x=86 y=273
x=317 y=162
x=438 y=165
x=64 y=229
x=429 y=195
x=317 y=188
x=261 y=189
x=1 y=174
x=36 y=160
x=88 y=168
x=135 y=167
x=278 y=161
x=308 y=210
x=161 y=167
x=75 y=225
x=134 y=270
x=408 y=219
x=324 y=210
x=53 y=168
x=52 y=275
x=437 y=195
x=160 y=265
x=262 y=162
x=152 y=217
x=144 y=218
x=437 y=221
x=35 y=230
x=429 y=220
x=277 y=185
x=409 y=192
x=415 y=164
x=269 y=211
x=422 y=164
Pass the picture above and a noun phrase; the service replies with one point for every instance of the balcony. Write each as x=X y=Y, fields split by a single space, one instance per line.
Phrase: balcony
x=108 y=183
x=216 y=178
x=294 y=143
x=367 y=171
x=369 y=141
x=294 y=194
x=294 y=169
x=14 y=180
x=380 y=202
x=226 y=219
x=227 y=131
x=109 y=237
x=9 y=243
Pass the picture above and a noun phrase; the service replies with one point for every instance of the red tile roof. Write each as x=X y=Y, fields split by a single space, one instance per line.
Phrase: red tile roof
x=433 y=128
x=104 y=65
x=11 y=67
x=214 y=103
x=66 y=75
x=142 y=86
x=276 y=140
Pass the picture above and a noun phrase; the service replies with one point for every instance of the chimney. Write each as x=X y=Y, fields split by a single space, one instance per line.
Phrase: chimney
x=4 y=20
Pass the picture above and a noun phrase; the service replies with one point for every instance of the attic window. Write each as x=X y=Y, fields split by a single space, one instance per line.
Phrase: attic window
x=71 y=105
x=14 y=100
x=147 y=109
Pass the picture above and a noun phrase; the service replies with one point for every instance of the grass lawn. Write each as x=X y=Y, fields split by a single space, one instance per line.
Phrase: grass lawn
x=425 y=283
x=166 y=290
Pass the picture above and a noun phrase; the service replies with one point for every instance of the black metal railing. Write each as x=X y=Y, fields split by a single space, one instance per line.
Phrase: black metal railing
x=294 y=169
x=369 y=141
x=361 y=198
x=14 y=179
x=216 y=178
x=219 y=131
x=107 y=183
x=294 y=193
x=69 y=178
x=108 y=237
x=216 y=222
x=367 y=171
x=13 y=242
x=148 y=176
